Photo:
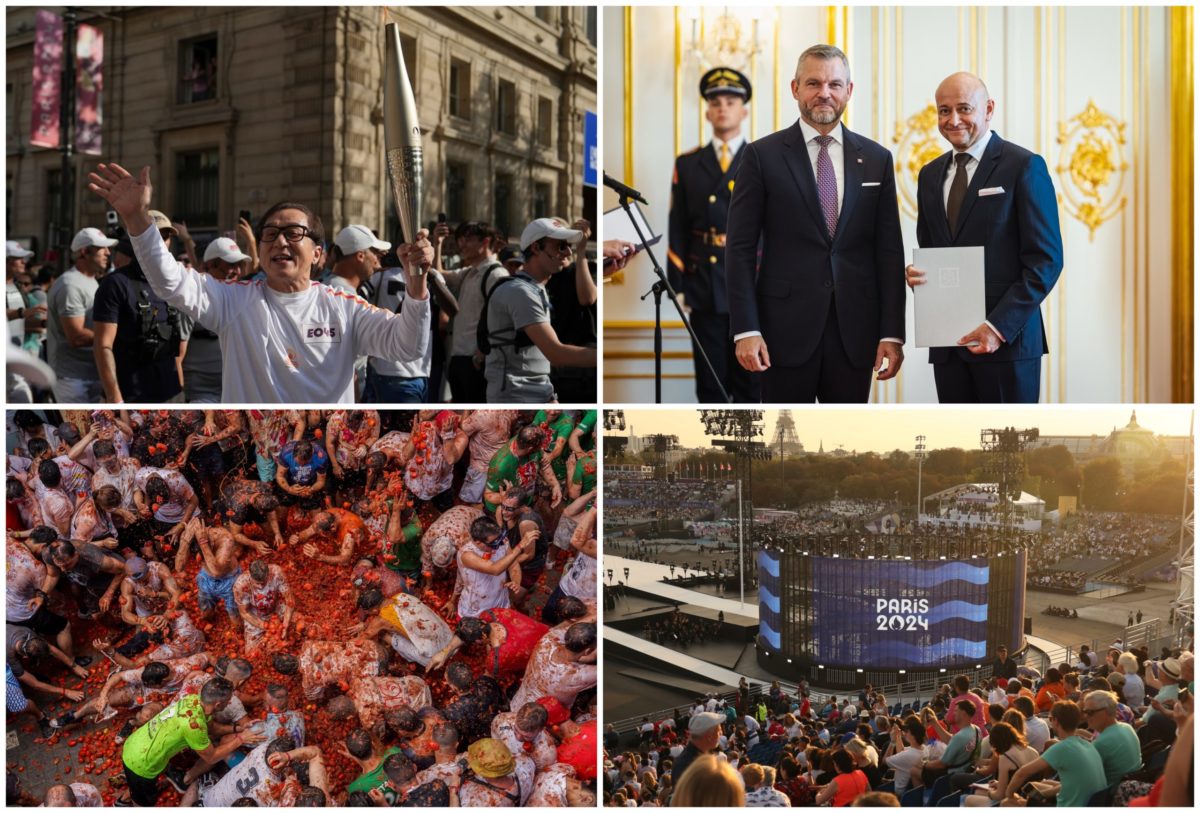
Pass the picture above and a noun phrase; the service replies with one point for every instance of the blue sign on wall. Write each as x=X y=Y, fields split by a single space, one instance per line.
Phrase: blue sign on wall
x=591 y=156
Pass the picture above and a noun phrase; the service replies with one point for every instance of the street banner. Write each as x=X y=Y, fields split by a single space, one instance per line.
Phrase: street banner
x=89 y=85
x=47 y=79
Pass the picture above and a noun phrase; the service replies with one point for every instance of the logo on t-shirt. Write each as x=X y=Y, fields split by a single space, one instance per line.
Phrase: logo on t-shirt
x=322 y=334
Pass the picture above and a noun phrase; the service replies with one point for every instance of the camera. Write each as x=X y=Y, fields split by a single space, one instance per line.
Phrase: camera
x=111 y=218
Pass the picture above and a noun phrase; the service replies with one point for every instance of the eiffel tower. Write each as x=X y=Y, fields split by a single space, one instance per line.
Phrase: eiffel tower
x=785 y=443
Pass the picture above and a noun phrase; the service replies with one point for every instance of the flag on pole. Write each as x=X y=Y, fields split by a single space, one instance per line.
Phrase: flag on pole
x=47 y=79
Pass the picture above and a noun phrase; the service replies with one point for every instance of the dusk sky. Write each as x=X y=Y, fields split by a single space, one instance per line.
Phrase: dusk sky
x=883 y=430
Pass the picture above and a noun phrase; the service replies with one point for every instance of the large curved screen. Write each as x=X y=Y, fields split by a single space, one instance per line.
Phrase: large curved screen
x=898 y=614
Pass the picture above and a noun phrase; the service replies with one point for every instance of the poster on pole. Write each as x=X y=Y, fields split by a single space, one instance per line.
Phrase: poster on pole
x=47 y=79
x=89 y=84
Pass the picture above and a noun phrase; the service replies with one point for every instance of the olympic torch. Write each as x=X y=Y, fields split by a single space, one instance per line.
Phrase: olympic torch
x=402 y=136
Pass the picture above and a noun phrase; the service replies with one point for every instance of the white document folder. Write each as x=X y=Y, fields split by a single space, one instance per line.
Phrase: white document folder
x=953 y=300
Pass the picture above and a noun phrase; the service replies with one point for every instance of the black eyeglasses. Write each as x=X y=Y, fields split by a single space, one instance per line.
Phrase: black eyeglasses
x=293 y=233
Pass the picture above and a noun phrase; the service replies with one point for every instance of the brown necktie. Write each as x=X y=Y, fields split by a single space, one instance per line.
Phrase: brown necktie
x=958 y=191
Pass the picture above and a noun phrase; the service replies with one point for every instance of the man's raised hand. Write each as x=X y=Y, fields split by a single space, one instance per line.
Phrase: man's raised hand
x=130 y=196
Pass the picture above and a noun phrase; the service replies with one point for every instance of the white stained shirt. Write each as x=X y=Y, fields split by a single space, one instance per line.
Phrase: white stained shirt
x=579 y=579
x=284 y=347
x=481 y=591
x=389 y=293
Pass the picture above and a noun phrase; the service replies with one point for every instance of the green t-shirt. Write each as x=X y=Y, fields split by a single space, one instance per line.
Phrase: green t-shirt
x=408 y=550
x=585 y=472
x=376 y=779
x=521 y=472
x=587 y=424
x=959 y=749
x=560 y=428
x=1120 y=751
x=1079 y=769
x=178 y=726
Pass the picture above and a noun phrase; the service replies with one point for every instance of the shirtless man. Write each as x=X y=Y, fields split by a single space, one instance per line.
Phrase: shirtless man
x=215 y=580
x=93 y=523
x=262 y=594
x=345 y=527
x=557 y=786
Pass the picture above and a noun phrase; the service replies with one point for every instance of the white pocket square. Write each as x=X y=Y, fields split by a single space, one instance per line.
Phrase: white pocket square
x=871 y=183
x=993 y=190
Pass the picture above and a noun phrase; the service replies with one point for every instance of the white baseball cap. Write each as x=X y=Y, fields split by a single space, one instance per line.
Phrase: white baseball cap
x=14 y=249
x=548 y=227
x=225 y=249
x=356 y=237
x=91 y=237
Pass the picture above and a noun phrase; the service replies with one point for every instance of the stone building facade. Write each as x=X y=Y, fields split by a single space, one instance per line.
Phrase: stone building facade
x=238 y=108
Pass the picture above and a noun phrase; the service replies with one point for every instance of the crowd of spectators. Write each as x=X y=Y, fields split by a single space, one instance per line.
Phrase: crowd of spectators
x=1111 y=730
x=302 y=607
x=678 y=630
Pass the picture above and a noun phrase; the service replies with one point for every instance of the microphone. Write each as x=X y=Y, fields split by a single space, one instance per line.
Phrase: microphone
x=622 y=189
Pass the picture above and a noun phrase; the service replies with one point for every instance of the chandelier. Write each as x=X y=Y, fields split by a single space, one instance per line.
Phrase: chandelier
x=731 y=40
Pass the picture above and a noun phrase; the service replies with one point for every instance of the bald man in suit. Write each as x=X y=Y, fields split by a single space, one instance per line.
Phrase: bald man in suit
x=989 y=192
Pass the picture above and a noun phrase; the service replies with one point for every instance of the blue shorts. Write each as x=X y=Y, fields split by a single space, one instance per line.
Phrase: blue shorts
x=213 y=590
x=14 y=698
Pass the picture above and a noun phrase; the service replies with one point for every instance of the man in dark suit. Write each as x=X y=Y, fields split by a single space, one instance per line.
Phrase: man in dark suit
x=989 y=192
x=700 y=191
x=821 y=303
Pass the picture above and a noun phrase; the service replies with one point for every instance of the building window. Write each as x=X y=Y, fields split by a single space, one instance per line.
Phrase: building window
x=197 y=182
x=456 y=191
x=544 y=13
x=545 y=122
x=198 y=69
x=543 y=200
x=460 y=89
x=503 y=195
x=591 y=24
x=506 y=108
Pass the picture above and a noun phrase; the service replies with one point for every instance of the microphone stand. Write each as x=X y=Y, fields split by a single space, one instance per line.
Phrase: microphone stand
x=660 y=286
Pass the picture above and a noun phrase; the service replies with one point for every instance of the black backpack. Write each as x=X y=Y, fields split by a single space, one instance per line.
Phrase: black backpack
x=483 y=336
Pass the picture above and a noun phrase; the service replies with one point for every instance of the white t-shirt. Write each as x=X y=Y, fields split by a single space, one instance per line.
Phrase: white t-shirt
x=579 y=580
x=284 y=348
x=1037 y=733
x=251 y=777
x=388 y=288
x=903 y=763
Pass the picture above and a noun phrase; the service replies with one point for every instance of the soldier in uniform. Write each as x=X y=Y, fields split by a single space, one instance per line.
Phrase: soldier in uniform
x=700 y=192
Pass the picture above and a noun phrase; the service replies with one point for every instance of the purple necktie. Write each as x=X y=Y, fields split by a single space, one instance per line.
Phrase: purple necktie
x=827 y=185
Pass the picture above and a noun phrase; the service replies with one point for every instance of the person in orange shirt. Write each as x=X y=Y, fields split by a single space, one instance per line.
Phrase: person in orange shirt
x=332 y=523
x=1053 y=689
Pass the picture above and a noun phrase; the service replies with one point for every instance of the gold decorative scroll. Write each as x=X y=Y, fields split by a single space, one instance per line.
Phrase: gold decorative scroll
x=917 y=143
x=1091 y=166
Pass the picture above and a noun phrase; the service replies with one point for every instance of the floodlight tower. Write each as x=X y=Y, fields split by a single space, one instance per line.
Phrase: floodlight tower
x=1006 y=463
x=920 y=454
x=735 y=430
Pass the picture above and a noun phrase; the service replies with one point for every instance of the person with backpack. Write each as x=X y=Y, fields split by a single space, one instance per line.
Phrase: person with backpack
x=470 y=283
x=515 y=331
